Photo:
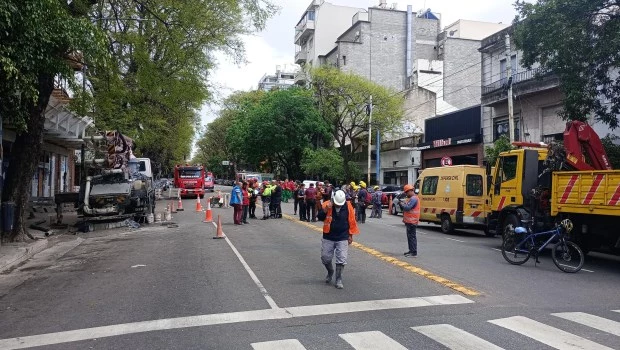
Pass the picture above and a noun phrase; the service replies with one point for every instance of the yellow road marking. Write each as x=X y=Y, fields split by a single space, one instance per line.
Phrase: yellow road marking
x=394 y=261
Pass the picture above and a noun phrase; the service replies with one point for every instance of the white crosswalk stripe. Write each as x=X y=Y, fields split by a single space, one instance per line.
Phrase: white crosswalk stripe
x=286 y=344
x=548 y=335
x=455 y=338
x=602 y=324
x=371 y=341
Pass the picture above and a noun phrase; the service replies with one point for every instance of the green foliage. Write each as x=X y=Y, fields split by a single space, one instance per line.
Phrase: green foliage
x=500 y=145
x=342 y=99
x=163 y=55
x=579 y=41
x=612 y=148
x=327 y=163
x=36 y=38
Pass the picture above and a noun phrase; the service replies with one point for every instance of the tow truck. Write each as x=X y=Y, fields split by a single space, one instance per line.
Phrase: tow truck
x=537 y=185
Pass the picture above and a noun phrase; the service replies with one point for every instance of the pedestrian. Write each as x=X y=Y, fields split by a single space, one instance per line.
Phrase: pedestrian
x=236 y=202
x=311 y=203
x=253 y=192
x=276 y=200
x=296 y=197
x=411 y=218
x=300 y=197
x=245 y=203
x=377 y=203
x=362 y=202
x=339 y=226
x=266 y=200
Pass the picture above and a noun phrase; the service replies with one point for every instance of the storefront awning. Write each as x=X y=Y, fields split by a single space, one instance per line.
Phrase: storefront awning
x=63 y=127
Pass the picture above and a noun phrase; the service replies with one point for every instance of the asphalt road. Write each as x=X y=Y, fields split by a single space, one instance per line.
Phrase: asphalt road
x=261 y=288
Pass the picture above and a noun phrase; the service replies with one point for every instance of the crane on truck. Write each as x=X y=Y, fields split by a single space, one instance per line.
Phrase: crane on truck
x=536 y=186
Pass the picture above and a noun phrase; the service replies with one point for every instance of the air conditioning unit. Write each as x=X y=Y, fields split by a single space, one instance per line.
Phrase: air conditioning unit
x=383 y=4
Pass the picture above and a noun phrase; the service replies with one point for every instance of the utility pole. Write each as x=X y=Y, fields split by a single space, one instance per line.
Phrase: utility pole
x=369 y=135
x=511 y=123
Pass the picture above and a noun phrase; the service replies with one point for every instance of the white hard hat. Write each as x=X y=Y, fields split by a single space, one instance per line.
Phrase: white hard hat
x=340 y=198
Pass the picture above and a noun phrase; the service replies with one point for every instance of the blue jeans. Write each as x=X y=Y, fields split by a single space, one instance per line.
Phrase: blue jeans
x=412 y=240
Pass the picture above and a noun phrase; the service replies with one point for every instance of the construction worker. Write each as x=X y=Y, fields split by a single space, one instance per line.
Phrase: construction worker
x=362 y=202
x=266 y=199
x=377 y=203
x=339 y=226
x=411 y=218
x=300 y=197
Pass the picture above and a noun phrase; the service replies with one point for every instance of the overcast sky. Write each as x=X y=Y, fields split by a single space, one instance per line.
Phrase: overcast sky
x=275 y=46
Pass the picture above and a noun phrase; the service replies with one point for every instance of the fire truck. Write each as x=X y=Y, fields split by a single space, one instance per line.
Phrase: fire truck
x=537 y=185
x=190 y=180
x=209 y=182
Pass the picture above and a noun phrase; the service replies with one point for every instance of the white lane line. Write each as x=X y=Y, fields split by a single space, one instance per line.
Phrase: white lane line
x=452 y=239
x=499 y=250
x=373 y=305
x=258 y=283
x=286 y=344
x=226 y=318
x=569 y=266
x=555 y=338
x=600 y=323
x=371 y=341
x=455 y=338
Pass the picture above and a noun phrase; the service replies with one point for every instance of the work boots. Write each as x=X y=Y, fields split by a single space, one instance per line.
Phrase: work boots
x=330 y=272
x=339 y=268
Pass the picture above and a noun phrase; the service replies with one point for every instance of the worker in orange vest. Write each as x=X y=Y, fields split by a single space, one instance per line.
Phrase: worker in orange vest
x=339 y=226
x=411 y=218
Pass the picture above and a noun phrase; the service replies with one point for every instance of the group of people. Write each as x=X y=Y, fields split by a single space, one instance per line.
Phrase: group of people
x=340 y=210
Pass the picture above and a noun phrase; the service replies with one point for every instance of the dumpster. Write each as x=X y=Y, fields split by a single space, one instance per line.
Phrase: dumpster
x=8 y=215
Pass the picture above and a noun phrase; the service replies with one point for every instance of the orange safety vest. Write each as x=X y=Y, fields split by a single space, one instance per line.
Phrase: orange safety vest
x=412 y=216
x=353 y=230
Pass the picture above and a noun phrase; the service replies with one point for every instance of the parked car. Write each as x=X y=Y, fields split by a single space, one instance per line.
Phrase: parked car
x=390 y=190
x=401 y=197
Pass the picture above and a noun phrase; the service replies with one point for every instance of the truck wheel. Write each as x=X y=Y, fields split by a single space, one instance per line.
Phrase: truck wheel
x=394 y=212
x=446 y=224
x=509 y=223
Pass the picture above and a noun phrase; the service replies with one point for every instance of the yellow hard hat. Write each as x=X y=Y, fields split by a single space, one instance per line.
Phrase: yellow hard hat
x=353 y=184
x=363 y=184
x=376 y=187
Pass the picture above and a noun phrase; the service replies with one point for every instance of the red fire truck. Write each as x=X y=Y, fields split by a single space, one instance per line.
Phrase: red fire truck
x=210 y=182
x=190 y=179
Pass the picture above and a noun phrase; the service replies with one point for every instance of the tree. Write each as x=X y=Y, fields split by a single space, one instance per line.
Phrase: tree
x=39 y=41
x=502 y=144
x=163 y=53
x=578 y=41
x=612 y=148
x=342 y=100
x=278 y=128
x=327 y=163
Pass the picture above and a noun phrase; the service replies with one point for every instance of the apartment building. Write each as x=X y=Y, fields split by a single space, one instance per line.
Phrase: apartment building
x=317 y=31
x=282 y=79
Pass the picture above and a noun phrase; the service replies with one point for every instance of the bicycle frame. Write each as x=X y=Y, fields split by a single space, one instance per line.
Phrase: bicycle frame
x=556 y=233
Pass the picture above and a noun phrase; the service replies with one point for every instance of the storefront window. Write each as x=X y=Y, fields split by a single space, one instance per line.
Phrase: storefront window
x=500 y=128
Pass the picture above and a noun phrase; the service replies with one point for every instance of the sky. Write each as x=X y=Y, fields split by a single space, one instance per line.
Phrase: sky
x=275 y=46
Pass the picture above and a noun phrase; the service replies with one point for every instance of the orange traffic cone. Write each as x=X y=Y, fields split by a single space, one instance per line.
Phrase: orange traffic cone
x=390 y=205
x=220 y=233
x=198 y=204
x=208 y=214
x=172 y=210
x=180 y=206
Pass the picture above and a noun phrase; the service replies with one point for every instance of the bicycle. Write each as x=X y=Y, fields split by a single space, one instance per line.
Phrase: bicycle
x=519 y=245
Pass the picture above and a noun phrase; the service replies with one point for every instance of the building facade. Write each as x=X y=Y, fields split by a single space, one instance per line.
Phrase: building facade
x=537 y=97
x=282 y=79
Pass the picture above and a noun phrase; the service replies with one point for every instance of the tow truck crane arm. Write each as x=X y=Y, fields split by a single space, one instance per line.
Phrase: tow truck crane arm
x=579 y=136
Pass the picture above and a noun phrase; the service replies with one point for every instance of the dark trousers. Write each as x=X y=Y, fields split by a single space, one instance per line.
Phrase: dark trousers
x=412 y=240
x=361 y=211
x=237 y=211
x=278 y=210
x=295 y=205
x=302 y=210
x=252 y=209
x=244 y=216
x=310 y=207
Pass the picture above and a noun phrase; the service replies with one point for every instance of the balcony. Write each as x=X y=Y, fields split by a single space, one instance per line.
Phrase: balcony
x=523 y=83
x=301 y=56
x=303 y=30
x=301 y=78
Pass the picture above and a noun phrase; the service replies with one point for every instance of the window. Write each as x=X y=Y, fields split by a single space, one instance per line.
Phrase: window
x=508 y=168
x=311 y=15
x=500 y=128
x=502 y=68
x=429 y=186
x=344 y=60
x=473 y=185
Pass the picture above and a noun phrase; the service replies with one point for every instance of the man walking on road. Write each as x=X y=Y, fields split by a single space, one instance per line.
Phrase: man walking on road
x=311 y=203
x=300 y=198
x=339 y=226
x=411 y=218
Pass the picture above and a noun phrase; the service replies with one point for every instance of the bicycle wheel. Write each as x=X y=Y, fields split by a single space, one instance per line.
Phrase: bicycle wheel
x=567 y=256
x=515 y=255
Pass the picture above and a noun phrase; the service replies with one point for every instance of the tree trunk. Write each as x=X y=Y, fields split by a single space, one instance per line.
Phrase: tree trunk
x=24 y=161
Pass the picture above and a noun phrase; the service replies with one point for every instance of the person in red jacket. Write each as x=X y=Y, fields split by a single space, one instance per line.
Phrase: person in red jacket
x=245 y=202
x=339 y=226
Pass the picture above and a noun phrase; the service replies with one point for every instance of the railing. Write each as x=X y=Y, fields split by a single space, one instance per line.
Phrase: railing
x=516 y=78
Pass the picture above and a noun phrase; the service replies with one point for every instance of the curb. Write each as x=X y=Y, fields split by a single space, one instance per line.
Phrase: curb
x=24 y=254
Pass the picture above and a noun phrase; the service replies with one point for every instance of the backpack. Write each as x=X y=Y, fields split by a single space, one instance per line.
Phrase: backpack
x=368 y=198
x=384 y=198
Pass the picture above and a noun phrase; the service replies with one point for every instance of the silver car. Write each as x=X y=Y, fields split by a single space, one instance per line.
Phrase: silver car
x=401 y=197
